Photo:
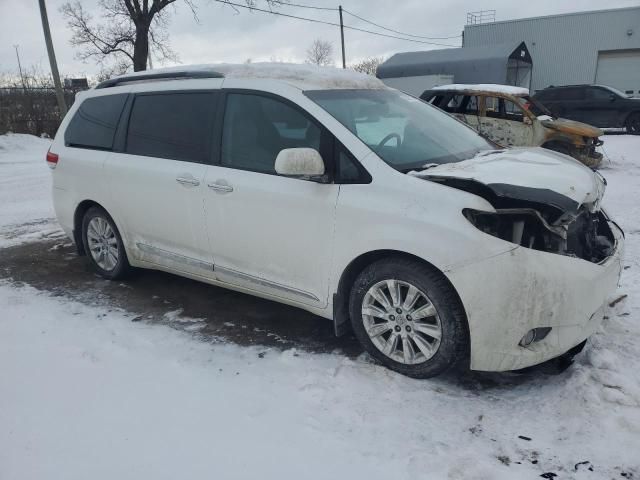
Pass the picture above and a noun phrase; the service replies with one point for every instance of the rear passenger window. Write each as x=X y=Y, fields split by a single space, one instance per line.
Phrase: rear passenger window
x=454 y=104
x=570 y=94
x=176 y=126
x=472 y=105
x=256 y=128
x=547 y=95
x=95 y=122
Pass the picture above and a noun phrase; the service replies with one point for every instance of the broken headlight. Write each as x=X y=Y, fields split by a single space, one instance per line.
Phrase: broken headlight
x=522 y=226
x=586 y=236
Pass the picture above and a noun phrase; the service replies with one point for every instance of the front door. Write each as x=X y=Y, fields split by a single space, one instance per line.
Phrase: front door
x=269 y=233
x=600 y=108
x=157 y=183
x=505 y=123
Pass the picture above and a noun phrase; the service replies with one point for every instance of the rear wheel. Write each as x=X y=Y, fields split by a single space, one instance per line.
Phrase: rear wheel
x=633 y=124
x=409 y=318
x=103 y=244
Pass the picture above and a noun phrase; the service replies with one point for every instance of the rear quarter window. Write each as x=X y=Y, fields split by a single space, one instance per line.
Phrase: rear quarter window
x=95 y=122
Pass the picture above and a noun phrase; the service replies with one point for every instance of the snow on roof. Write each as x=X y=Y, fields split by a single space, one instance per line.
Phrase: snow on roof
x=484 y=87
x=303 y=76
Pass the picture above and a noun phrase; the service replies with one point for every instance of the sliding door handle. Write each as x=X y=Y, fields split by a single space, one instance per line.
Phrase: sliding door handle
x=188 y=181
x=220 y=187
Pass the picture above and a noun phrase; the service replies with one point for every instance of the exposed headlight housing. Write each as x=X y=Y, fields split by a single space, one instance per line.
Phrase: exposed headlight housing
x=586 y=236
x=522 y=226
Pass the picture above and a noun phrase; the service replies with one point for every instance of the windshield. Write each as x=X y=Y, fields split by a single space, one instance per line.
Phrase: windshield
x=534 y=106
x=405 y=132
x=616 y=91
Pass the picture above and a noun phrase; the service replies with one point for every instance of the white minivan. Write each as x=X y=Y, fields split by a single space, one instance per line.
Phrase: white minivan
x=326 y=190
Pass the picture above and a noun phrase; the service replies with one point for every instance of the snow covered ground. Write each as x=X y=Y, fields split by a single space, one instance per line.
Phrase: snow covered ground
x=26 y=212
x=87 y=393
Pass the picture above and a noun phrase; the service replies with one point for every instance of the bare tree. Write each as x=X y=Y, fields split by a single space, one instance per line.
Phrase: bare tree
x=368 y=65
x=320 y=53
x=127 y=30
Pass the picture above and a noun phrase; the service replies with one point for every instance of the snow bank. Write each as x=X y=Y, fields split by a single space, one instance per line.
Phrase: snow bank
x=302 y=75
x=485 y=87
x=26 y=211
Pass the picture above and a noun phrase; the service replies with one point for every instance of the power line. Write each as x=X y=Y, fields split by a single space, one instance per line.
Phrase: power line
x=396 y=31
x=314 y=7
x=313 y=20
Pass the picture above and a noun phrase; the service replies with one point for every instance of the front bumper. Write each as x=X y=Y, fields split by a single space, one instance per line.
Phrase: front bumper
x=590 y=158
x=507 y=295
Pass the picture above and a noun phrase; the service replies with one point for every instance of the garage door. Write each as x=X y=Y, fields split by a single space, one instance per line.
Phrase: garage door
x=620 y=69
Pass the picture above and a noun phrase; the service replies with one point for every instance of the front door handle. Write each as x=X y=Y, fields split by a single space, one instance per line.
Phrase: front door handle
x=188 y=181
x=220 y=187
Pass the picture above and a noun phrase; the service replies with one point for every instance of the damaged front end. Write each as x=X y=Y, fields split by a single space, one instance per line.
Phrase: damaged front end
x=576 y=139
x=539 y=219
x=586 y=236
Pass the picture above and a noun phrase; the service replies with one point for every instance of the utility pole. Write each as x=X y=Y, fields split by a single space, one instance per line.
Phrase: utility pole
x=24 y=86
x=52 y=59
x=344 y=62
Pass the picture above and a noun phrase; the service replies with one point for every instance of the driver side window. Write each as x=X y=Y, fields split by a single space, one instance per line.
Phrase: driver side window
x=598 y=94
x=257 y=127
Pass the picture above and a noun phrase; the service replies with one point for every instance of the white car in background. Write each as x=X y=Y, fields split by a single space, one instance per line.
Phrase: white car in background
x=326 y=190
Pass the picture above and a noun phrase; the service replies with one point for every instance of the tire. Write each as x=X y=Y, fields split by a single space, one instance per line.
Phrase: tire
x=103 y=245
x=633 y=124
x=436 y=310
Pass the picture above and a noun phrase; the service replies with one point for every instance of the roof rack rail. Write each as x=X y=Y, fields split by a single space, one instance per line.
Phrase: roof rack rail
x=179 y=75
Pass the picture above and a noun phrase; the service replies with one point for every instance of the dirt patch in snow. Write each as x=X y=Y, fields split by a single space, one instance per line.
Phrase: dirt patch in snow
x=157 y=297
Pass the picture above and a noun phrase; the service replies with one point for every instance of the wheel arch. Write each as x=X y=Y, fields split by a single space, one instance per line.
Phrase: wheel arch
x=355 y=267
x=628 y=117
x=78 y=215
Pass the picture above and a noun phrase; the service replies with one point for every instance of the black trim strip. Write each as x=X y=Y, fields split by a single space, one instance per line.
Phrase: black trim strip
x=183 y=75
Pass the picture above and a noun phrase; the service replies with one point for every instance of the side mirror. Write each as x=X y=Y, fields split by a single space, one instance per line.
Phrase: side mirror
x=303 y=163
x=612 y=98
x=526 y=120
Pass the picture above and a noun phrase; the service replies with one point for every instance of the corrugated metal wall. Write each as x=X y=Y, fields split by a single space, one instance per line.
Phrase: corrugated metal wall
x=564 y=48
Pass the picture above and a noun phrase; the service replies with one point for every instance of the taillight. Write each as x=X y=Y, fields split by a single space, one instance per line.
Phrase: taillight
x=52 y=159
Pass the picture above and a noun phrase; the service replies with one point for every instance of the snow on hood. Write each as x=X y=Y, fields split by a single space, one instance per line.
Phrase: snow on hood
x=532 y=168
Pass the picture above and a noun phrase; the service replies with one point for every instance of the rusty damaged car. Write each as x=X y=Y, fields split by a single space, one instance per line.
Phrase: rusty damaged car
x=508 y=116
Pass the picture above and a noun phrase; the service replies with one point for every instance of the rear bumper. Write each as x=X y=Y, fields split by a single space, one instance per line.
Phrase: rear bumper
x=512 y=293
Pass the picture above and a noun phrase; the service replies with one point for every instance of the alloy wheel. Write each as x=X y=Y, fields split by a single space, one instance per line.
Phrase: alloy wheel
x=103 y=244
x=401 y=321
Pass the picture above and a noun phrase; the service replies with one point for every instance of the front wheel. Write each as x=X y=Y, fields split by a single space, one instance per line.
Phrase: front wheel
x=633 y=124
x=103 y=244
x=408 y=317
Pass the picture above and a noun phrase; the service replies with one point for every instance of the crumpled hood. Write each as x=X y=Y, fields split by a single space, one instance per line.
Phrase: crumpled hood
x=572 y=127
x=524 y=174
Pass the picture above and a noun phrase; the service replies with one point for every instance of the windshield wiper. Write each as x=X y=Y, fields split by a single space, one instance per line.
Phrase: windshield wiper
x=426 y=166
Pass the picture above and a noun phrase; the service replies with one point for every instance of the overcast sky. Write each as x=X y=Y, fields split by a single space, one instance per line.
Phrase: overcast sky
x=224 y=35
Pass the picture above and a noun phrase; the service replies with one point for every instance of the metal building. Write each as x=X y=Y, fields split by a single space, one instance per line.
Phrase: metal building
x=413 y=72
x=600 y=47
